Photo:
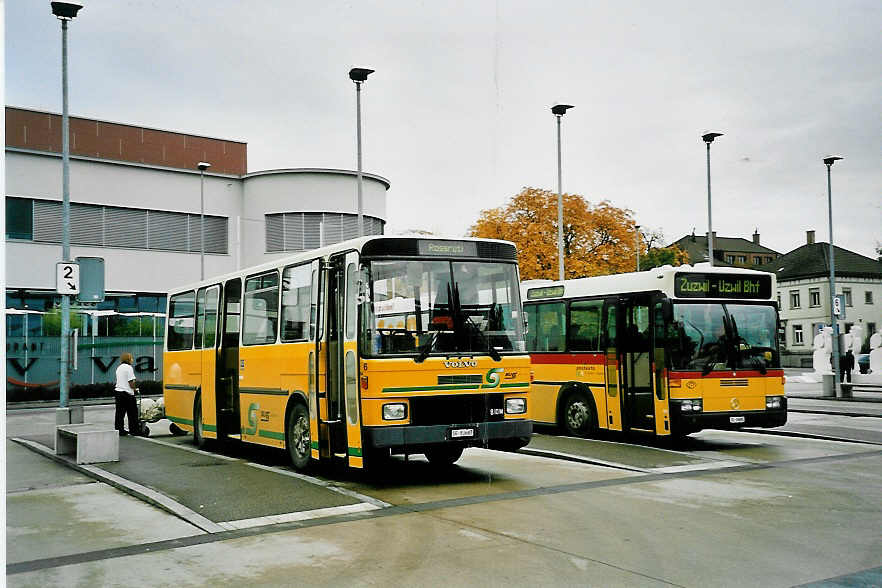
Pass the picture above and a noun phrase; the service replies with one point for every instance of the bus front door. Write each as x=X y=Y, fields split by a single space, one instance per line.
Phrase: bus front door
x=612 y=365
x=341 y=423
x=635 y=355
x=227 y=383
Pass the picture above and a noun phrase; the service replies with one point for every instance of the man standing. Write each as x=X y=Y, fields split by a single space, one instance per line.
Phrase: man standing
x=125 y=396
x=847 y=365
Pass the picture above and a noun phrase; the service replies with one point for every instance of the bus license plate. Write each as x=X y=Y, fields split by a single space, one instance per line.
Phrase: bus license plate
x=736 y=419
x=462 y=433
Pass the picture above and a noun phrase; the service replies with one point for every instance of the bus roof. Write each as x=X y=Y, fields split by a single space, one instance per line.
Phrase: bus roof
x=695 y=281
x=356 y=244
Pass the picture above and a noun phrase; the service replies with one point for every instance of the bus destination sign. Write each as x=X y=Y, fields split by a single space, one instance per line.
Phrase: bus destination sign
x=448 y=248
x=752 y=287
x=546 y=292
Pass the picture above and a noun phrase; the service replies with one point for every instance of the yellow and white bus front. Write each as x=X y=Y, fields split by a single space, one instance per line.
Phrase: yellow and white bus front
x=443 y=362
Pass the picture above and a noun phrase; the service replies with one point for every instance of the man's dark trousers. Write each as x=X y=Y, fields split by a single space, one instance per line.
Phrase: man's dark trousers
x=125 y=405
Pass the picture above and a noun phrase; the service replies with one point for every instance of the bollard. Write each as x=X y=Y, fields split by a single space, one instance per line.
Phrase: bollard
x=827 y=390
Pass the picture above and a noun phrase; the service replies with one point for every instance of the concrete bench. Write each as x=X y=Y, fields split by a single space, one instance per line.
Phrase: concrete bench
x=90 y=443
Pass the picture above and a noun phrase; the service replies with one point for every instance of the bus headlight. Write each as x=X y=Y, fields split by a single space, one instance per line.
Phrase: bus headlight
x=690 y=405
x=774 y=401
x=394 y=412
x=515 y=405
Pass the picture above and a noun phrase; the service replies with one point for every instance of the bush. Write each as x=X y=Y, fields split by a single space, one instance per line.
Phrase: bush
x=80 y=392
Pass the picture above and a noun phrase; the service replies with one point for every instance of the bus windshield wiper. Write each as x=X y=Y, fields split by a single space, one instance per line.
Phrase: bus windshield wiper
x=426 y=349
x=490 y=349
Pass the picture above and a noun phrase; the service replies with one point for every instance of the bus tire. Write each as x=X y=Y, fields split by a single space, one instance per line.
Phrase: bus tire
x=297 y=440
x=198 y=428
x=577 y=415
x=444 y=455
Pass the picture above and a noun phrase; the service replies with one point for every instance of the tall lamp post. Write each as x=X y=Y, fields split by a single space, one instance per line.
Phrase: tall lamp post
x=559 y=110
x=637 y=244
x=202 y=165
x=708 y=138
x=65 y=11
x=359 y=76
x=828 y=161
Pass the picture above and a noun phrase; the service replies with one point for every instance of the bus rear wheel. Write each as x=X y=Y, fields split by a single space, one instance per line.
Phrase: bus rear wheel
x=297 y=437
x=444 y=455
x=577 y=415
x=198 y=427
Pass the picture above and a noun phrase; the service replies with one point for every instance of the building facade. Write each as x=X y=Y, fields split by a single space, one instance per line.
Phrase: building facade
x=803 y=277
x=139 y=202
x=734 y=251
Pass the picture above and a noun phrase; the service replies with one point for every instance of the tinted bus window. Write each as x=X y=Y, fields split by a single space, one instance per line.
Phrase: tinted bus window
x=261 y=303
x=181 y=320
x=547 y=324
x=296 y=300
x=584 y=331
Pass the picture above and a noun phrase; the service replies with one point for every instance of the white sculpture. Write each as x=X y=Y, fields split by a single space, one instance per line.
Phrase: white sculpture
x=823 y=344
x=876 y=354
x=856 y=335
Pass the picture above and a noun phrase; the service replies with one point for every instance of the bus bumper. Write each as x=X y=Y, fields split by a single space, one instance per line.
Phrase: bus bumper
x=416 y=436
x=727 y=420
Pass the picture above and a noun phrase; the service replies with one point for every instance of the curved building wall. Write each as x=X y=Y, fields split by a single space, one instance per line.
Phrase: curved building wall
x=292 y=209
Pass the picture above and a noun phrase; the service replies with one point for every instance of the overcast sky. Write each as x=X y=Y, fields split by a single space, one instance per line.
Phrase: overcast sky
x=457 y=114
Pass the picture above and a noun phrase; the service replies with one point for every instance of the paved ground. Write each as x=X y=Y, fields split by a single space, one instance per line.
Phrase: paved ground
x=722 y=508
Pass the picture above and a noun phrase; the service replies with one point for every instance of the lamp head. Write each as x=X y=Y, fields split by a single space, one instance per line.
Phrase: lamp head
x=559 y=109
x=66 y=10
x=829 y=160
x=359 y=74
x=709 y=137
x=203 y=165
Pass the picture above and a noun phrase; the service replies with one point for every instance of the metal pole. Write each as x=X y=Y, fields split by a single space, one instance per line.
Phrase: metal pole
x=64 y=376
x=637 y=244
x=833 y=319
x=358 y=142
x=201 y=224
x=710 y=229
x=560 y=249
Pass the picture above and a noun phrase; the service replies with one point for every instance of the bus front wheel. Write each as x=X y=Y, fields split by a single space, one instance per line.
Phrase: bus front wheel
x=297 y=437
x=444 y=455
x=578 y=415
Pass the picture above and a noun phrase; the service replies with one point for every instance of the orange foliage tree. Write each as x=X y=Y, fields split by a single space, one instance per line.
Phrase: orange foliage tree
x=598 y=239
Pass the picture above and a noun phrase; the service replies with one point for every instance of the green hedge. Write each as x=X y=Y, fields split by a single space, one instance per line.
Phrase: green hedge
x=82 y=392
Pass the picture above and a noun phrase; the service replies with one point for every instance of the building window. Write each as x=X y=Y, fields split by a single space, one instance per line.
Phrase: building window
x=115 y=226
x=757 y=260
x=730 y=259
x=742 y=259
x=868 y=297
x=779 y=300
x=847 y=293
x=814 y=297
x=797 y=335
x=302 y=231
x=794 y=300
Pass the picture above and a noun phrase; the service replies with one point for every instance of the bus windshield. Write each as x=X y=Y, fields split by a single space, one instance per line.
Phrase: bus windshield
x=716 y=336
x=424 y=308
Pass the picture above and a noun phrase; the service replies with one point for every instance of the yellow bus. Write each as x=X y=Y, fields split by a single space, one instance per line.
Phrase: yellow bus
x=669 y=351
x=349 y=353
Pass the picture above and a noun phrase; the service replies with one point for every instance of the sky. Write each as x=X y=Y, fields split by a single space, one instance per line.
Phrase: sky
x=457 y=115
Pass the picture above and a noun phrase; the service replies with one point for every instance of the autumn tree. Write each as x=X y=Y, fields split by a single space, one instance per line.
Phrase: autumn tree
x=654 y=255
x=598 y=238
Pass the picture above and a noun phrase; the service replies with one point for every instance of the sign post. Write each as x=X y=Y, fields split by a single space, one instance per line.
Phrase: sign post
x=67 y=277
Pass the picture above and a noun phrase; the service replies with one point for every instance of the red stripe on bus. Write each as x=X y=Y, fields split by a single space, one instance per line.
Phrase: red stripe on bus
x=726 y=374
x=567 y=358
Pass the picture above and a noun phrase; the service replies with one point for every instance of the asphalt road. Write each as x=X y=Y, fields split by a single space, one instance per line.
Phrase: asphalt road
x=721 y=508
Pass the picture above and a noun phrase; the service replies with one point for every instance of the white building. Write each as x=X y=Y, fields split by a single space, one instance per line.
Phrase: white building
x=804 y=296
x=135 y=202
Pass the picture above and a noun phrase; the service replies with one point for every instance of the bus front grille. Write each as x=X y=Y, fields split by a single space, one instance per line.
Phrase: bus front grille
x=456 y=409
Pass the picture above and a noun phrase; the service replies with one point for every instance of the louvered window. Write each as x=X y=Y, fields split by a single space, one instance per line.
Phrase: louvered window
x=132 y=228
x=301 y=231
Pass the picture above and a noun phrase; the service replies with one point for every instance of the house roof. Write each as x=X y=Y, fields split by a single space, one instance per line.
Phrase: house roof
x=696 y=246
x=810 y=261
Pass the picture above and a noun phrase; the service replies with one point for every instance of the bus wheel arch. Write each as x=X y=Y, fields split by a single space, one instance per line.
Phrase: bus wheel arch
x=198 y=426
x=298 y=442
x=576 y=410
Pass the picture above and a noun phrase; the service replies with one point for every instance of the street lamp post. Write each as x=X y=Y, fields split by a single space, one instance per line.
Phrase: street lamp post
x=708 y=138
x=65 y=11
x=202 y=165
x=637 y=244
x=559 y=110
x=359 y=76
x=828 y=161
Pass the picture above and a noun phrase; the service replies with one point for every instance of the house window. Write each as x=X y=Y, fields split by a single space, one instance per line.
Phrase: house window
x=742 y=259
x=847 y=293
x=779 y=300
x=794 y=300
x=768 y=260
x=868 y=297
x=797 y=335
x=814 y=297
x=730 y=259
x=757 y=260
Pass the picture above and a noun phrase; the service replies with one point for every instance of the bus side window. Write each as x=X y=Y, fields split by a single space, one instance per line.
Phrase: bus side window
x=296 y=302
x=181 y=321
x=548 y=326
x=584 y=328
x=260 y=309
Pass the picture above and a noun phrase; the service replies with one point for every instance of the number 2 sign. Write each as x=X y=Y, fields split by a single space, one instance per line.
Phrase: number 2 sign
x=67 y=277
